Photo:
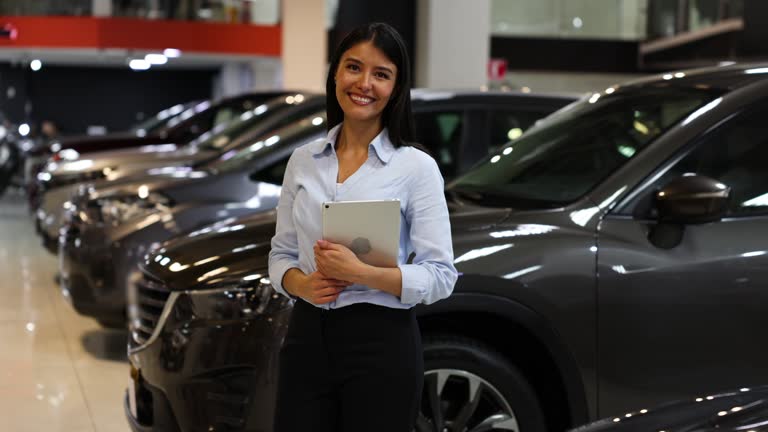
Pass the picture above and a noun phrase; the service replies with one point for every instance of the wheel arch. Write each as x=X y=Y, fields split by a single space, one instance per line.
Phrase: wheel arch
x=481 y=316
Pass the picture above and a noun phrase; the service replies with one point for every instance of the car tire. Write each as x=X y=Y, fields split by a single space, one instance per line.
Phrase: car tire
x=476 y=388
x=113 y=323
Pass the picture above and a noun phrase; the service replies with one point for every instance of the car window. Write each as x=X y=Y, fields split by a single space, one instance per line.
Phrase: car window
x=506 y=126
x=272 y=174
x=736 y=154
x=567 y=154
x=224 y=116
x=440 y=133
x=297 y=132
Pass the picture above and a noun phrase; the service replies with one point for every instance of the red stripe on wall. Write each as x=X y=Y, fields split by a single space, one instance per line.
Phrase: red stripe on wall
x=90 y=32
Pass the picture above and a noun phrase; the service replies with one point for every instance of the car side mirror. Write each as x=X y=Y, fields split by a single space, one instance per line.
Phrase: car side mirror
x=692 y=200
x=685 y=201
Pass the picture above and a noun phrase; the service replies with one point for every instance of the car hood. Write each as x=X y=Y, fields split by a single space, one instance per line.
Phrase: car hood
x=230 y=250
x=90 y=143
x=241 y=245
x=149 y=180
x=740 y=410
x=118 y=164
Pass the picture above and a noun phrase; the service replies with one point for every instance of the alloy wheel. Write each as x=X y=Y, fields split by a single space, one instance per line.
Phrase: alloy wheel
x=460 y=401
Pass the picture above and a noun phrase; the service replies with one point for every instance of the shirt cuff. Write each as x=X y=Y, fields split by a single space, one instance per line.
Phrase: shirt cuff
x=276 y=272
x=415 y=283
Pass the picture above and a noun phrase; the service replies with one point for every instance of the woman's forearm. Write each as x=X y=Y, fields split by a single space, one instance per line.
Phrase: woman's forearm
x=386 y=279
x=293 y=280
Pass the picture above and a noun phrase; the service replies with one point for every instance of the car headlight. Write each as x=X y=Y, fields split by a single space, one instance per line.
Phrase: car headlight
x=68 y=154
x=117 y=210
x=227 y=303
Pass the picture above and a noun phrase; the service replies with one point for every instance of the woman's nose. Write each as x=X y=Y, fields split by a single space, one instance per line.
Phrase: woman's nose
x=364 y=82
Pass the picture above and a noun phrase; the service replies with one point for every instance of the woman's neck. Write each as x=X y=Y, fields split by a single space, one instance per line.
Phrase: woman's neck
x=357 y=135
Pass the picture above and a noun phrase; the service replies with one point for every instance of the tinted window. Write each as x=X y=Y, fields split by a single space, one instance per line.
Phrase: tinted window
x=567 y=154
x=296 y=133
x=272 y=174
x=506 y=126
x=737 y=155
x=440 y=133
x=224 y=116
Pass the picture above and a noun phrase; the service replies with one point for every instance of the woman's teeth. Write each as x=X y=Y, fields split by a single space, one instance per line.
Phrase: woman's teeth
x=360 y=99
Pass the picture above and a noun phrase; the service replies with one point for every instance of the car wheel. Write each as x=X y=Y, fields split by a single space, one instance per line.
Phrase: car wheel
x=113 y=323
x=468 y=386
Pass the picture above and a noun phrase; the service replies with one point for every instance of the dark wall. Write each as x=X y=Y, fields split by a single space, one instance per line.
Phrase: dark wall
x=76 y=97
x=755 y=35
x=400 y=14
x=566 y=54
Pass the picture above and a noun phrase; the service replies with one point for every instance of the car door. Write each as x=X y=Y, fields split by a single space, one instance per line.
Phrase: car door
x=688 y=321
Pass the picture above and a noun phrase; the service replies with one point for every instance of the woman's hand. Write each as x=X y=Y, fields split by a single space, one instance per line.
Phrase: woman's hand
x=320 y=289
x=337 y=261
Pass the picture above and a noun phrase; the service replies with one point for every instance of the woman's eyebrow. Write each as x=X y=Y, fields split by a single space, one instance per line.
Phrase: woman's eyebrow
x=355 y=60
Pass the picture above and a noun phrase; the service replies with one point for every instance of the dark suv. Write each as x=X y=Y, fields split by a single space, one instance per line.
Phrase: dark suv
x=613 y=257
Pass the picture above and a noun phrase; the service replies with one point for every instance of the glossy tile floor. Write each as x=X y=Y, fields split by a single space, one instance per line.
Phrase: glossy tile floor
x=59 y=371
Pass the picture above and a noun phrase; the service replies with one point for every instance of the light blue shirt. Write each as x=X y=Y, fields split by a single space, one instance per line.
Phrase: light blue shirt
x=404 y=173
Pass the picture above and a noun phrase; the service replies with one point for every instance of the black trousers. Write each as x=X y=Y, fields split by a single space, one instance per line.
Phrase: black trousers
x=357 y=368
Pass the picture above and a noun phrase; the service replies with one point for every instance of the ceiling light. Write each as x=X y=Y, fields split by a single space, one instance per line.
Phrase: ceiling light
x=172 y=52
x=36 y=65
x=139 y=64
x=156 y=59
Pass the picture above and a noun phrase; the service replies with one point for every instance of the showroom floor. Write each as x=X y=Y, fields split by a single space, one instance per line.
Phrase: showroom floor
x=58 y=371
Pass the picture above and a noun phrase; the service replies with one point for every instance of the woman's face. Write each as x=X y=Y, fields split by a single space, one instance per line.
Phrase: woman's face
x=365 y=80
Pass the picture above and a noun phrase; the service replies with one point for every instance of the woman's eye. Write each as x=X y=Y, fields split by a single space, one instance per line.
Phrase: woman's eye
x=353 y=67
x=382 y=75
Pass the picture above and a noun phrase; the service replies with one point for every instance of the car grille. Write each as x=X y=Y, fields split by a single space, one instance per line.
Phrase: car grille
x=152 y=295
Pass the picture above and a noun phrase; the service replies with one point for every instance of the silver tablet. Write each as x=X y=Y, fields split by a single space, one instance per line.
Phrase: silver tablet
x=370 y=229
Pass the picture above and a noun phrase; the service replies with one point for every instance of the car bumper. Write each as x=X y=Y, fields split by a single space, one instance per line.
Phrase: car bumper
x=185 y=380
x=88 y=276
x=50 y=242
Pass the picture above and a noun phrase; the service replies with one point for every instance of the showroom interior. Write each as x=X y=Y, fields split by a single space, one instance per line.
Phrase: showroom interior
x=605 y=169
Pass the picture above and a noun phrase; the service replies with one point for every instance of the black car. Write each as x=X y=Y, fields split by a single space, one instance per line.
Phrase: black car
x=609 y=259
x=110 y=228
x=128 y=166
x=745 y=409
x=180 y=130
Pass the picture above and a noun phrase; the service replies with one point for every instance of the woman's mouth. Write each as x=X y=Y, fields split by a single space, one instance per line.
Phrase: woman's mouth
x=360 y=100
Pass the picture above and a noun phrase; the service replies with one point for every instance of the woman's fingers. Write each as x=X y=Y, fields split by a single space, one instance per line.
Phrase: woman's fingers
x=326 y=299
x=327 y=291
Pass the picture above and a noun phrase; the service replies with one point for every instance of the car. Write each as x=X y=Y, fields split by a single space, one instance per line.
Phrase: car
x=180 y=130
x=609 y=259
x=36 y=152
x=107 y=230
x=742 y=409
x=121 y=167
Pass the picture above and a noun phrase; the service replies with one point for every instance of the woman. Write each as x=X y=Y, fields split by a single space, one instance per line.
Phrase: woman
x=352 y=357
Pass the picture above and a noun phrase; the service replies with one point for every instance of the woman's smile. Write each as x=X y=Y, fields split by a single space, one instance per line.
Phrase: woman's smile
x=360 y=100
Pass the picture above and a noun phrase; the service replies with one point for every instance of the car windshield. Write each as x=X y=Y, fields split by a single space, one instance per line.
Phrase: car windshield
x=568 y=153
x=295 y=133
x=220 y=136
x=160 y=120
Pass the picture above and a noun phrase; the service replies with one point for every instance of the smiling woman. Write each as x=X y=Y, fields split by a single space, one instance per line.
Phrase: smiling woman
x=354 y=318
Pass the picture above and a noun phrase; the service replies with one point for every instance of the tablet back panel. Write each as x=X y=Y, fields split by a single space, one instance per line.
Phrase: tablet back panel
x=371 y=229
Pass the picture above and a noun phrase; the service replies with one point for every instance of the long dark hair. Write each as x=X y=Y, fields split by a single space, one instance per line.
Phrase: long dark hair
x=397 y=116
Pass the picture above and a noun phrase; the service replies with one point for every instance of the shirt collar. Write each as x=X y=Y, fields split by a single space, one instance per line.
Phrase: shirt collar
x=381 y=144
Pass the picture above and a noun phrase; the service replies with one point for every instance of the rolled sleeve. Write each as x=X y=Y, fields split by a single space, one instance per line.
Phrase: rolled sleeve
x=431 y=276
x=284 y=254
